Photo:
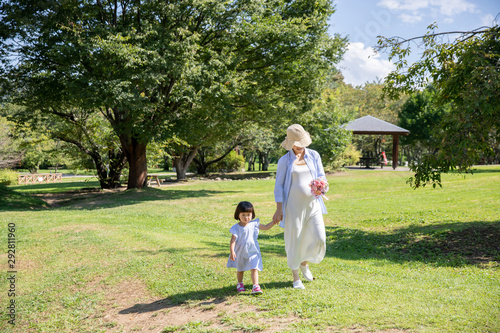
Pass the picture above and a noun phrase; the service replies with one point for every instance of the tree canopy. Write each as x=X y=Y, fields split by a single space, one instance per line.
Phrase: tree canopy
x=465 y=73
x=151 y=67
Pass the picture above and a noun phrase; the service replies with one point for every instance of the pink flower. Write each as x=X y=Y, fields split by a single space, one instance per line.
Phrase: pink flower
x=319 y=187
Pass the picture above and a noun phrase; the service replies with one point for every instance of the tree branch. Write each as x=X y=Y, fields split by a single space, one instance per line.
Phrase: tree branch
x=469 y=33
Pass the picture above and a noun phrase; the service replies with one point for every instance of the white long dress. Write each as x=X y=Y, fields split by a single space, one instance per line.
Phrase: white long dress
x=305 y=238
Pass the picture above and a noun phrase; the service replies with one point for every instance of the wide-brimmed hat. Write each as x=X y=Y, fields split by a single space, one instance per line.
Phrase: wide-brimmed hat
x=296 y=136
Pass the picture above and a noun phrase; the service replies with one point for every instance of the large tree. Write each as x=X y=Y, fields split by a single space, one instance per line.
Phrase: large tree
x=465 y=72
x=421 y=115
x=84 y=135
x=324 y=123
x=146 y=65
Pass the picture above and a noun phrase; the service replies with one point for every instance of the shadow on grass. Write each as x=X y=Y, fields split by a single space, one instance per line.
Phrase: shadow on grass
x=485 y=169
x=206 y=297
x=94 y=198
x=11 y=200
x=57 y=187
x=447 y=244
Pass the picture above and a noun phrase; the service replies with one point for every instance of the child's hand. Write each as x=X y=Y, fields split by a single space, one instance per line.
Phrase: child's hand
x=232 y=256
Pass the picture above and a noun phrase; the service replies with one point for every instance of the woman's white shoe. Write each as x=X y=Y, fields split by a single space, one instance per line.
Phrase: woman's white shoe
x=298 y=285
x=306 y=273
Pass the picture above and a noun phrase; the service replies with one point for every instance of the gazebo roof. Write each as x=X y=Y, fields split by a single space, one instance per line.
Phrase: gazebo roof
x=372 y=125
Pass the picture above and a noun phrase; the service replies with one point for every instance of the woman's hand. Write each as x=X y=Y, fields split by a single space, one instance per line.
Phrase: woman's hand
x=278 y=215
x=232 y=256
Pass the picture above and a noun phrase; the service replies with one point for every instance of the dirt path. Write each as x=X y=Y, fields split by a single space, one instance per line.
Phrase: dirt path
x=130 y=308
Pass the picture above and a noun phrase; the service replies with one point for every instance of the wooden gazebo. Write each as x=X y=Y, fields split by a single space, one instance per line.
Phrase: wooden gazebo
x=374 y=126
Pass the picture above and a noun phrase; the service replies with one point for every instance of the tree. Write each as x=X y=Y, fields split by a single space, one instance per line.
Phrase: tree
x=86 y=132
x=208 y=156
x=262 y=143
x=324 y=124
x=465 y=72
x=369 y=100
x=10 y=154
x=421 y=116
x=147 y=65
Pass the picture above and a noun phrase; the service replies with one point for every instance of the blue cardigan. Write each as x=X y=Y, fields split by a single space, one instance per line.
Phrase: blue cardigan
x=284 y=176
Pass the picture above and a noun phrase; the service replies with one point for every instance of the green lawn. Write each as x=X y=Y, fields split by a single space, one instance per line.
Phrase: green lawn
x=398 y=259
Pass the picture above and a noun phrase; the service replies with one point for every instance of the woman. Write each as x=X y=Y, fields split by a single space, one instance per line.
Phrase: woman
x=299 y=212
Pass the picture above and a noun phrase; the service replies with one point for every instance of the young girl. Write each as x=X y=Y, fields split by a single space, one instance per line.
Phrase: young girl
x=245 y=251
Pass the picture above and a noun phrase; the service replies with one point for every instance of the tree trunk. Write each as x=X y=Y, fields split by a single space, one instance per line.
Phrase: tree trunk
x=101 y=170
x=250 y=157
x=202 y=164
x=137 y=161
x=265 y=161
x=395 y=151
x=117 y=162
x=109 y=178
x=183 y=161
x=166 y=163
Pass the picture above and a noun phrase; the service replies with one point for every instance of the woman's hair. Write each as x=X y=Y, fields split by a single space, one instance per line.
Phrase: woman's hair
x=244 y=207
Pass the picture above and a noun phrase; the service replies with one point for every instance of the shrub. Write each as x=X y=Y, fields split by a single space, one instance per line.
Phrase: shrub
x=8 y=177
x=232 y=162
x=350 y=156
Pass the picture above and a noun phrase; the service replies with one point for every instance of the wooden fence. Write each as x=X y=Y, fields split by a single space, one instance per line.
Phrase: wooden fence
x=39 y=178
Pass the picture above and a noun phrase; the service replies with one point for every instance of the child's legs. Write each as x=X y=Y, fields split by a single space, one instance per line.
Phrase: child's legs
x=239 y=276
x=255 y=276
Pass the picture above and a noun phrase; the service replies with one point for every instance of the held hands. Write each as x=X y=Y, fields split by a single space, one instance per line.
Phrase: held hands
x=278 y=216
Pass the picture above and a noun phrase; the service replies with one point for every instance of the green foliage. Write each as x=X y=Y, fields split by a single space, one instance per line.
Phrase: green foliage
x=262 y=143
x=465 y=74
x=8 y=177
x=76 y=137
x=36 y=148
x=422 y=116
x=232 y=162
x=10 y=154
x=368 y=100
x=323 y=123
x=350 y=156
x=198 y=70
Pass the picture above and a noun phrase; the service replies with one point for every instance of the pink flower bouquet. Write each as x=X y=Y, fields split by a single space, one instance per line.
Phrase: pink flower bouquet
x=319 y=187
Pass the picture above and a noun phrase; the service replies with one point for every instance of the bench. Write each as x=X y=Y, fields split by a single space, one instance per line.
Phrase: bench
x=368 y=161
x=154 y=178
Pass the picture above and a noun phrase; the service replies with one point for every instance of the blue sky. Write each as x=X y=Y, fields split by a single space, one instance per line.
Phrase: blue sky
x=364 y=20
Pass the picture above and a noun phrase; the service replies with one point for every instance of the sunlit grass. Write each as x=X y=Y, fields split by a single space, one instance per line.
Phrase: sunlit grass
x=418 y=260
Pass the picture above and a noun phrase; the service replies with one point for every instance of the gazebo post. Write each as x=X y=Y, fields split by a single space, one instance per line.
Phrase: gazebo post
x=395 y=151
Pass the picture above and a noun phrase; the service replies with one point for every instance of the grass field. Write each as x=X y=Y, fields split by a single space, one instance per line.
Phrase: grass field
x=153 y=260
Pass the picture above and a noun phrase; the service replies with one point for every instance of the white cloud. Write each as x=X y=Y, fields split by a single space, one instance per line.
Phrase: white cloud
x=411 y=10
x=404 y=4
x=361 y=64
x=410 y=18
x=455 y=7
x=487 y=20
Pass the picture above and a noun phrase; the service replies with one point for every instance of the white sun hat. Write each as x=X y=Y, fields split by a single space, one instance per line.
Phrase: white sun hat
x=296 y=136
